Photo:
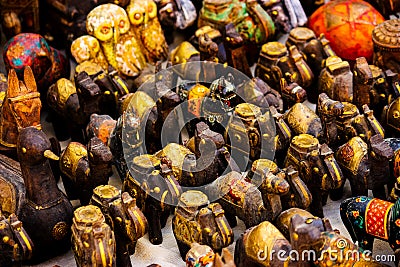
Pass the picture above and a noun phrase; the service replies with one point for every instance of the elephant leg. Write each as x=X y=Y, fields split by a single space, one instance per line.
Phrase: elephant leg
x=164 y=216
x=69 y=187
x=316 y=204
x=152 y=214
x=231 y=218
x=358 y=186
x=379 y=192
x=122 y=256
x=337 y=194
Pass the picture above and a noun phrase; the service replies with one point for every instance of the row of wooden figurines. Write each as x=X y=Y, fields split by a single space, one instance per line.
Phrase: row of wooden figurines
x=348 y=135
x=156 y=173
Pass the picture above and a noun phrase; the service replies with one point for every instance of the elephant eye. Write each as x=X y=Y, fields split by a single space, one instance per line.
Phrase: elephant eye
x=105 y=30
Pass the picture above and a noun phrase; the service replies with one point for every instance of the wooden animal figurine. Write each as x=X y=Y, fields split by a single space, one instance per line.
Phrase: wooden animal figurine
x=248 y=130
x=155 y=188
x=146 y=26
x=31 y=49
x=259 y=25
x=184 y=52
x=122 y=48
x=386 y=45
x=100 y=126
x=84 y=168
x=87 y=48
x=125 y=218
x=67 y=120
x=336 y=80
x=21 y=108
x=129 y=125
x=46 y=213
x=276 y=61
x=175 y=14
x=277 y=13
x=235 y=50
x=256 y=245
x=368 y=218
x=292 y=93
x=17 y=246
x=316 y=50
x=93 y=241
x=317 y=167
x=259 y=93
x=319 y=245
x=195 y=220
x=302 y=120
x=342 y=121
x=240 y=198
x=212 y=157
x=362 y=82
x=12 y=185
x=283 y=221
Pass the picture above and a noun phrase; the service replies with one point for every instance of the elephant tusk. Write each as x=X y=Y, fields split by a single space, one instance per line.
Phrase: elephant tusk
x=50 y=155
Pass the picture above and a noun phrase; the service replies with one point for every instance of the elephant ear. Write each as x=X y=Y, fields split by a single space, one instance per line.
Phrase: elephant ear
x=13 y=84
x=29 y=80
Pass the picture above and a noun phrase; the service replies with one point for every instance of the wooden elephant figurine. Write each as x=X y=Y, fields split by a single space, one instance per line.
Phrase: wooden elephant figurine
x=317 y=244
x=93 y=241
x=317 y=167
x=46 y=212
x=84 y=168
x=258 y=246
x=368 y=218
x=155 y=188
x=17 y=246
x=366 y=165
x=197 y=221
x=125 y=218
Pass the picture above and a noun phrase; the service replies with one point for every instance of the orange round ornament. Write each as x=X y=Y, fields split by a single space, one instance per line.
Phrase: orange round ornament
x=348 y=25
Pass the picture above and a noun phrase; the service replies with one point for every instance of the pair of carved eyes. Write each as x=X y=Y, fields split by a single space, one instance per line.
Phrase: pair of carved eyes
x=107 y=29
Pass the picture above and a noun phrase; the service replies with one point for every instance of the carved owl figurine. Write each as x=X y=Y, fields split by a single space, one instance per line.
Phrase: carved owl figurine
x=109 y=23
x=87 y=48
x=145 y=24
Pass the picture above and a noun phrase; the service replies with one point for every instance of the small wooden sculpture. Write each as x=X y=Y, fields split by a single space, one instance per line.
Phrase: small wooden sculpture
x=366 y=165
x=21 y=108
x=100 y=126
x=276 y=62
x=17 y=246
x=386 y=45
x=235 y=50
x=93 y=241
x=87 y=48
x=46 y=213
x=362 y=82
x=125 y=218
x=317 y=167
x=84 y=168
x=282 y=222
x=368 y=218
x=255 y=247
x=292 y=93
x=155 y=187
x=336 y=80
x=259 y=93
x=196 y=220
x=303 y=120
x=249 y=132
x=146 y=26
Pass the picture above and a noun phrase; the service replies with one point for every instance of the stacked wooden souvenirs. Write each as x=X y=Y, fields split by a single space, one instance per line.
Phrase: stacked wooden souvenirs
x=229 y=124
